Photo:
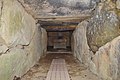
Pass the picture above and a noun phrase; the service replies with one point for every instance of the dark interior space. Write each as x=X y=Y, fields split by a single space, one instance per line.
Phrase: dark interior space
x=59 y=41
x=59 y=34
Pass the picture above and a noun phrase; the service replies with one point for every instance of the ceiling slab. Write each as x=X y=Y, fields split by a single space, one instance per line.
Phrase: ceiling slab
x=61 y=23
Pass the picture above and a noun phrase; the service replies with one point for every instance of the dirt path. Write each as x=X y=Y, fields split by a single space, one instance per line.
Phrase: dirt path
x=76 y=70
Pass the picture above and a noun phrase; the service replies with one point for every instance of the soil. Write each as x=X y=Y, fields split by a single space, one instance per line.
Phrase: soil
x=77 y=70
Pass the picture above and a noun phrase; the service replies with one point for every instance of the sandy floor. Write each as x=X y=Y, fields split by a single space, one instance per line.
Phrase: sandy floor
x=76 y=70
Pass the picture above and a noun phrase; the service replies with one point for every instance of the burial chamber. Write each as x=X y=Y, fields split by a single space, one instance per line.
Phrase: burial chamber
x=88 y=29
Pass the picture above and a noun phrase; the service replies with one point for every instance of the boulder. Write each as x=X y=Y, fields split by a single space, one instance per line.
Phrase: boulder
x=42 y=8
x=17 y=26
x=106 y=61
x=3 y=46
x=103 y=26
x=21 y=40
x=80 y=46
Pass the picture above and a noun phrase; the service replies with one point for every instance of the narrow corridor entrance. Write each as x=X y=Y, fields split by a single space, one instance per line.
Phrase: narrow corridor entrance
x=59 y=34
x=59 y=39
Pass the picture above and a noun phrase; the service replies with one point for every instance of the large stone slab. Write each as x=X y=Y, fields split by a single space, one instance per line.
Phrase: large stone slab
x=22 y=42
x=80 y=46
x=17 y=26
x=103 y=26
x=57 y=7
x=106 y=61
x=18 y=60
x=97 y=43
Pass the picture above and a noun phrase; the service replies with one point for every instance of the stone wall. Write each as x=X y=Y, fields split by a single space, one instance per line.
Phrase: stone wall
x=103 y=38
x=103 y=26
x=22 y=42
x=97 y=41
x=106 y=62
x=79 y=43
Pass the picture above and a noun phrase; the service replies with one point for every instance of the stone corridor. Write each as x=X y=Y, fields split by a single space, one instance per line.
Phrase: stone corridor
x=86 y=33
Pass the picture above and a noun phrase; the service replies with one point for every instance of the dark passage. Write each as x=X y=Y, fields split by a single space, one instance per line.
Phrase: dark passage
x=59 y=41
x=59 y=35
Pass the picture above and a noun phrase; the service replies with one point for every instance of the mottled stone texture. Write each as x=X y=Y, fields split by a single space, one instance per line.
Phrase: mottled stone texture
x=22 y=42
x=103 y=26
x=80 y=46
x=106 y=61
x=58 y=7
x=97 y=41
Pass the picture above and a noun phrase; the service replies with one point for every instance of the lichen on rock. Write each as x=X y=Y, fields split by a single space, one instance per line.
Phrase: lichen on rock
x=104 y=26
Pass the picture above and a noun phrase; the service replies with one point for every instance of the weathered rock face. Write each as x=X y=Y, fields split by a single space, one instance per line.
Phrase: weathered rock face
x=21 y=41
x=14 y=24
x=80 y=46
x=57 y=7
x=43 y=40
x=118 y=4
x=103 y=26
x=102 y=34
x=106 y=61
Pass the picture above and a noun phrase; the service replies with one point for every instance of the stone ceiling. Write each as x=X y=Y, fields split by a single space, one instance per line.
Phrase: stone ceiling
x=59 y=12
x=44 y=8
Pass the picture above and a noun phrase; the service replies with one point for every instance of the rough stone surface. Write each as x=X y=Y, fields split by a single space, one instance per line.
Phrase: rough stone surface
x=106 y=61
x=80 y=48
x=103 y=26
x=57 y=7
x=14 y=24
x=44 y=40
x=118 y=4
x=97 y=43
x=22 y=42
